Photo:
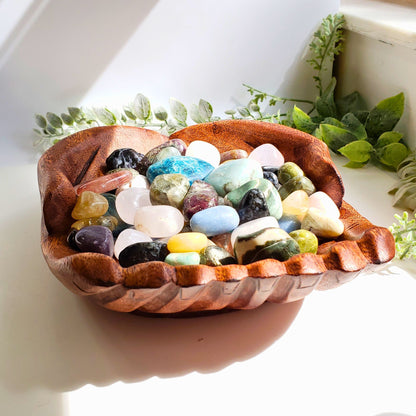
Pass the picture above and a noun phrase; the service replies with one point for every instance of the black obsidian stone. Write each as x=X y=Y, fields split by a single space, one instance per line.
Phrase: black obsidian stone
x=253 y=205
x=128 y=158
x=272 y=169
x=272 y=177
x=142 y=253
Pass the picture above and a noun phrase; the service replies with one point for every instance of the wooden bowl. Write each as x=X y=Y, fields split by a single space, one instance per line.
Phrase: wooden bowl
x=157 y=287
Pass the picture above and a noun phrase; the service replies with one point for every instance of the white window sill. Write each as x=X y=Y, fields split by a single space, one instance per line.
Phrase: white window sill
x=393 y=22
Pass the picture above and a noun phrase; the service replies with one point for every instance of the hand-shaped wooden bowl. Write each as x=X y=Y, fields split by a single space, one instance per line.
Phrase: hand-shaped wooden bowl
x=157 y=287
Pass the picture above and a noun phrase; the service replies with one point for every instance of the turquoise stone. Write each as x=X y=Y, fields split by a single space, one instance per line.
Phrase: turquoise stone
x=190 y=167
x=182 y=259
x=234 y=173
x=215 y=220
x=273 y=201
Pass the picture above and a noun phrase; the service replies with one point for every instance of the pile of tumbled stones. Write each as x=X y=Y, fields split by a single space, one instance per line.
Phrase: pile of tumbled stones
x=188 y=205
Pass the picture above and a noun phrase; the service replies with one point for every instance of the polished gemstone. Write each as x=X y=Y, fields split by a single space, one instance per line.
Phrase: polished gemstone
x=169 y=189
x=166 y=152
x=321 y=224
x=296 y=204
x=185 y=242
x=105 y=220
x=233 y=154
x=254 y=226
x=308 y=242
x=288 y=171
x=204 y=151
x=182 y=259
x=272 y=177
x=324 y=202
x=267 y=155
x=201 y=195
x=70 y=239
x=96 y=239
x=253 y=205
x=216 y=256
x=179 y=144
x=127 y=238
x=138 y=181
x=112 y=211
x=142 y=252
x=215 y=220
x=289 y=223
x=190 y=167
x=294 y=184
x=231 y=175
x=127 y=158
x=129 y=201
x=89 y=204
x=105 y=183
x=159 y=221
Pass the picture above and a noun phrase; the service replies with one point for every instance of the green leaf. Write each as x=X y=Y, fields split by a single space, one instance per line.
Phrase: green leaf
x=54 y=120
x=230 y=112
x=51 y=130
x=336 y=137
x=354 y=165
x=361 y=115
x=352 y=124
x=67 y=119
x=195 y=114
x=388 y=137
x=385 y=115
x=178 y=111
x=358 y=151
x=76 y=113
x=129 y=114
x=205 y=109
x=161 y=114
x=325 y=104
x=332 y=121
x=351 y=103
x=141 y=107
x=40 y=121
x=392 y=154
x=105 y=116
x=244 y=112
x=302 y=121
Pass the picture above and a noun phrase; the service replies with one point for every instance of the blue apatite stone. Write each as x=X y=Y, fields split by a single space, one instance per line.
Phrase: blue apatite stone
x=289 y=223
x=191 y=167
x=215 y=220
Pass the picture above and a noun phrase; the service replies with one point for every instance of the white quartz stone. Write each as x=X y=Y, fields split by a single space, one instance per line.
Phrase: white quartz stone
x=139 y=181
x=127 y=238
x=267 y=155
x=324 y=202
x=129 y=200
x=253 y=226
x=204 y=151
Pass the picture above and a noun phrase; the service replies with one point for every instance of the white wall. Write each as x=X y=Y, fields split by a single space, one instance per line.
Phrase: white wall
x=60 y=53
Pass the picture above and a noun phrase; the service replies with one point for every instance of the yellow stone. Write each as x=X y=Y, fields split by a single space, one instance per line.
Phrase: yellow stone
x=187 y=242
x=107 y=221
x=89 y=205
x=297 y=204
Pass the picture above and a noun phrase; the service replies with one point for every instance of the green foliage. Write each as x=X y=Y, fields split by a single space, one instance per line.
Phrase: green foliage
x=404 y=232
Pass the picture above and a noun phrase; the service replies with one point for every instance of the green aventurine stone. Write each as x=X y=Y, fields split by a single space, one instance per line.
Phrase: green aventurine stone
x=308 y=242
x=273 y=201
x=216 y=256
x=288 y=171
x=169 y=189
x=282 y=250
x=182 y=259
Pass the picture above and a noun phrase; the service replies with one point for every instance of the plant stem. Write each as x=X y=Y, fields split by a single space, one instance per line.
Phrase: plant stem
x=284 y=99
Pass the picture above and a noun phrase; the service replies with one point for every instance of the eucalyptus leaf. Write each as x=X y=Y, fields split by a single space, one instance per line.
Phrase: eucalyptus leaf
x=38 y=132
x=359 y=151
x=195 y=114
x=160 y=113
x=129 y=114
x=41 y=121
x=244 y=112
x=178 y=111
x=302 y=121
x=388 y=137
x=51 y=130
x=352 y=124
x=205 y=109
x=335 y=137
x=76 y=113
x=325 y=104
x=141 y=107
x=385 y=115
x=392 y=154
x=54 y=120
x=67 y=119
x=350 y=103
x=105 y=116
x=230 y=112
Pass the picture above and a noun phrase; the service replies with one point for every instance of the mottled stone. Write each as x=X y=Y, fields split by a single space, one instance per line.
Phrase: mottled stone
x=106 y=221
x=127 y=158
x=296 y=204
x=190 y=167
x=308 y=242
x=186 y=242
x=129 y=201
x=105 y=183
x=96 y=239
x=295 y=184
x=182 y=259
x=282 y=250
x=88 y=205
x=288 y=171
x=324 y=202
x=253 y=205
x=274 y=203
x=201 y=195
x=233 y=154
x=142 y=253
x=272 y=169
x=159 y=221
x=272 y=177
x=322 y=224
x=169 y=189
x=223 y=241
x=289 y=223
x=127 y=238
x=179 y=144
x=216 y=256
x=231 y=175
x=204 y=151
x=254 y=226
x=267 y=155
x=215 y=220
x=166 y=152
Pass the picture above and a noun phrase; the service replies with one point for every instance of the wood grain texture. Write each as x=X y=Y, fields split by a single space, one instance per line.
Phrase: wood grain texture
x=157 y=287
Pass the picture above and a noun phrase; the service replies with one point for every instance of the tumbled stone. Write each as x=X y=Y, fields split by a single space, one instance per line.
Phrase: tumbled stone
x=88 y=205
x=289 y=223
x=179 y=144
x=295 y=184
x=127 y=158
x=106 y=221
x=186 y=242
x=159 y=221
x=272 y=177
x=216 y=256
x=253 y=205
x=308 y=242
x=288 y=171
x=231 y=175
x=274 y=203
x=297 y=204
x=215 y=220
x=267 y=155
x=204 y=151
x=182 y=259
x=223 y=241
x=233 y=154
x=282 y=250
x=325 y=203
x=169 y=189
x=321 y=224
x=254 y=226
x=272 y=169
x=142 y=252
x=138 y=181
x=127 y=238
x=166 y=152
x=105 y=183
x=129 y=201
x=201 y=195
x=70 y=239
x=190 y=167
x=112 y=211
x=96 y=239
